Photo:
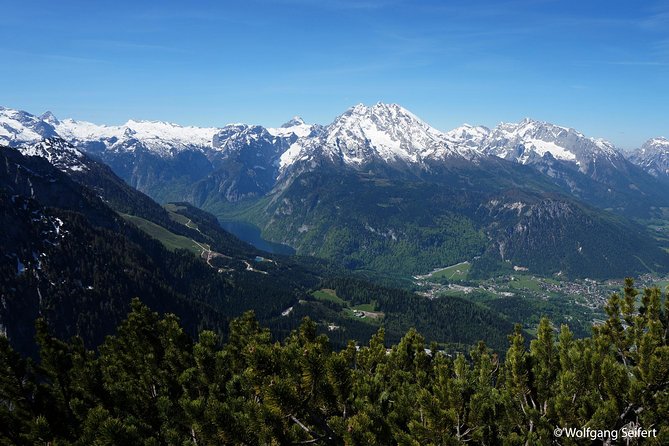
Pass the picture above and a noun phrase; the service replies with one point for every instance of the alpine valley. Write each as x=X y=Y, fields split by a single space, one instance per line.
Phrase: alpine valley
x=380 y=189
x=372 y=205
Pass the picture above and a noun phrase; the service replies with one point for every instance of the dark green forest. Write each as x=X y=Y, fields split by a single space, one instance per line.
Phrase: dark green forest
x=406 y=223
x=151 y=384
x=71 y=259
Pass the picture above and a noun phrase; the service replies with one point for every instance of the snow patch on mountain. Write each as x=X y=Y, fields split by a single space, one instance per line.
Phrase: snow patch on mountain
x=542 y=147
x=296 y=126
x=58 y=152
x=292 y=155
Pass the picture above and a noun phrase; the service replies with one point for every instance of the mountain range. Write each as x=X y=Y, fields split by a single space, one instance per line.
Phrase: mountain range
x=379 y=188
x=383 y=132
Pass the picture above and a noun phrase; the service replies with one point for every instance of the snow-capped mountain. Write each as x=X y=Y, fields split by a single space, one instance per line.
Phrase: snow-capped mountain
x=154 y=156
x=393 y=135
x=363 y=134
x=543 y=145
x=653 y=157
x=166 y=139
x=468 y=136
x=18 y=127
x=161 y=138
x=588 y=168
x=157 y=137
x=530 y=141
x=36 y=136
x=382 y=132
x=235 y=138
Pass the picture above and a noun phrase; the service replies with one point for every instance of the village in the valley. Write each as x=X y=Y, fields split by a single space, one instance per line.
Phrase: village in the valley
x=454 y=281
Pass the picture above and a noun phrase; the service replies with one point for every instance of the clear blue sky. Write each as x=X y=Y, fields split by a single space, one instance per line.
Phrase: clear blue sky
x=601 y=67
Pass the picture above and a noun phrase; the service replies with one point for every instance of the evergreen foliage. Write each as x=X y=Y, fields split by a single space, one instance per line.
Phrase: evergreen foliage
x=150 y=384
x=453 y=319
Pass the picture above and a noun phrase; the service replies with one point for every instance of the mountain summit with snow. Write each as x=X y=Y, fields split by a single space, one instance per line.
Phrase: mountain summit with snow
x=294 y=121
x=295 y=128
x=653 y=157
x=18 y=127
x=385 y=133
x=37 y=136
x=529 y=141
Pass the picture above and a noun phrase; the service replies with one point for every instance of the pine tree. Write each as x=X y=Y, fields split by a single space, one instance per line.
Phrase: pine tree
x=17 y=398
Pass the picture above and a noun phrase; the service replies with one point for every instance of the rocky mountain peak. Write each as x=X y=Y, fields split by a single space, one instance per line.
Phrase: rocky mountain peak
x=659 y=144
x=653 y=157
x=293 y=122
x=49 y=118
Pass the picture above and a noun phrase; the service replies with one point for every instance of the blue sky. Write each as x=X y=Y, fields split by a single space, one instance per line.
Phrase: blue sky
x=600 y=67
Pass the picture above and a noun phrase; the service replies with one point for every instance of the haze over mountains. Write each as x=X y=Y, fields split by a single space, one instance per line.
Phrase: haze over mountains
x=379 y=185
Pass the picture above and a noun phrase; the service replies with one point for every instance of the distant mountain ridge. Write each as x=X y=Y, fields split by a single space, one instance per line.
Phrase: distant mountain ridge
x=152 y=154
x=653 y=157
x=509 y=193
x=385 y=133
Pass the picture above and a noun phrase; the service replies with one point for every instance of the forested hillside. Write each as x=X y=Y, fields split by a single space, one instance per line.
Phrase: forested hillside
x=404 y=224
x=77 y=248
x=152 y=384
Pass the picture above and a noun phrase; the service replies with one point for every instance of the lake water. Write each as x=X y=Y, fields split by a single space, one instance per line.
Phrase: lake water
x=251 y=234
